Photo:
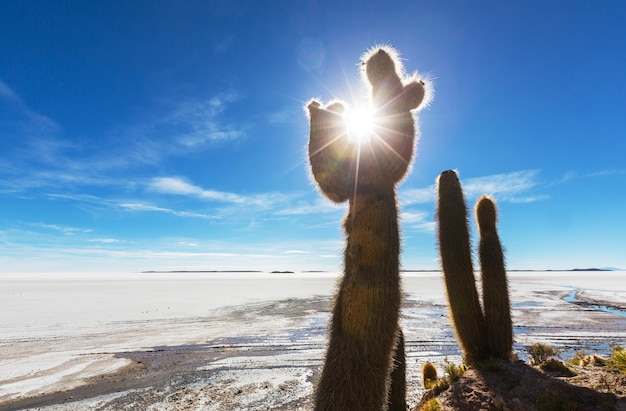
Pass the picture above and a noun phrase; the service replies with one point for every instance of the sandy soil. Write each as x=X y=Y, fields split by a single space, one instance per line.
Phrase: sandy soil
x=260 y=352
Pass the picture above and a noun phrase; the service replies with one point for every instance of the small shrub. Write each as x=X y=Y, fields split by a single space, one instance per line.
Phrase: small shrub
x=588 y=360
x=618 y=359
x=431 y=405
x=453 y=371
x=429 y=373
x=555 y=366
x=540 y=352
x=579 y=358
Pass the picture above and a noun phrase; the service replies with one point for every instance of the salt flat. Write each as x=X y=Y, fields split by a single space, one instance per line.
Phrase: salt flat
x=214 y=341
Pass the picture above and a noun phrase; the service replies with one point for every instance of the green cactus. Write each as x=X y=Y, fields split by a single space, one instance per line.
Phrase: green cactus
x=481 y=336
x=429 y=375
x=365 y=338
x=496 y=302
x=456 y=261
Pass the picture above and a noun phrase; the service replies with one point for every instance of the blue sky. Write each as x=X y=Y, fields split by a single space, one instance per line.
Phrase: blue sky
x=157 y=135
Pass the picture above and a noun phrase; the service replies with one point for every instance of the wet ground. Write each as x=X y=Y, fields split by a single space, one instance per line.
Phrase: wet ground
x=265 y=354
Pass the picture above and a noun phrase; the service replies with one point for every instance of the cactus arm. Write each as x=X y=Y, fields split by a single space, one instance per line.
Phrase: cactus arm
x=387 y=158
x=330 y=154
x=496 y=302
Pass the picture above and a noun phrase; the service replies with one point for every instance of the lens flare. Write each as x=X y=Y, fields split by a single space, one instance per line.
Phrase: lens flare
x=360 y=125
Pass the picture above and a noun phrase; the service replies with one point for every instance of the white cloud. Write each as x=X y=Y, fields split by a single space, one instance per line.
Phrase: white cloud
x=188 y=244
x=417 y=220
x=514 y=187
x=567 y=176
x=151 y=208
x=40 y=158
x=417 y=195
x=196 y=122
x=179 y=186
x=320 y=206
x=61 y=228
x=501 y=186
x=603 y=173
x=105 y=240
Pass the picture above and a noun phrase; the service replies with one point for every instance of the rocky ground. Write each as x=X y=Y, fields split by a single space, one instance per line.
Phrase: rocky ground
x=520 y=387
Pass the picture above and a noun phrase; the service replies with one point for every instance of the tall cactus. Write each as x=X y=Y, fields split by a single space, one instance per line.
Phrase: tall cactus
x=364 y=364
x=481 y=336
x=456 y=261
x=495 y=289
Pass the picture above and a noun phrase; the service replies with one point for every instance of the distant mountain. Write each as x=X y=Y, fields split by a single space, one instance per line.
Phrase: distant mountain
x=198 y=271
x=592 y=269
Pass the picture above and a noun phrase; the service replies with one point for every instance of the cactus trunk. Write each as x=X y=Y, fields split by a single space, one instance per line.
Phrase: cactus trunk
x=356 y=374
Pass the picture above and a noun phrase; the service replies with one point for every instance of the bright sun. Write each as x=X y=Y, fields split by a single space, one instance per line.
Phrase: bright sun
x=360 y=124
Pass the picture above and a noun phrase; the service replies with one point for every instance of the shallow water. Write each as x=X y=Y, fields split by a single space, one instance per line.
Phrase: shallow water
x=571 y=298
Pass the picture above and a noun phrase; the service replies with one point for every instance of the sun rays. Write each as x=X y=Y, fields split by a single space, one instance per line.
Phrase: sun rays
x=360 y=124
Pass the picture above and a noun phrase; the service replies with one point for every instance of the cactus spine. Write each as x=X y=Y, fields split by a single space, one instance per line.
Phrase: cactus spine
x=481 y=336
x=364 y=364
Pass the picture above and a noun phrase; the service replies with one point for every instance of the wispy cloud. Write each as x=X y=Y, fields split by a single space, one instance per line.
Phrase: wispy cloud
x=26 y=118
x=417 y=195
x=188 y=244
x=196 y=122
x=152 y=208
x=106 y=240
x=603 y=173
x=417 y=220
x=46 y=159
x=511 y=187
x=320 y=206
x=180 y=186
x=62 y=229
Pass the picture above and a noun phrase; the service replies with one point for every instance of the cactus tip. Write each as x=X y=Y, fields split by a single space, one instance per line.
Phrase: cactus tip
x=486 y=213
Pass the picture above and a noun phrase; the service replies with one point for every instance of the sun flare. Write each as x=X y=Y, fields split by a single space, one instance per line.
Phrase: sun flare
x=360 y=125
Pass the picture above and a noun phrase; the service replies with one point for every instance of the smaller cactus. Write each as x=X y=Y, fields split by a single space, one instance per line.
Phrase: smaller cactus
x=495 y=289
x=456 y=260
x=481 y=335
x=429 y=374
